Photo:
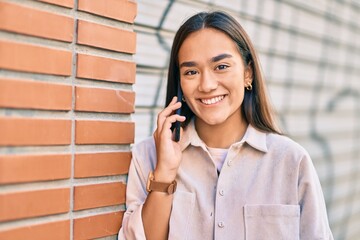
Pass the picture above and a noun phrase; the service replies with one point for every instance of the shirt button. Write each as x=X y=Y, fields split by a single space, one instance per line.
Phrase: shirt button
x=221 y=224
x=229 y=163
x=221 y=192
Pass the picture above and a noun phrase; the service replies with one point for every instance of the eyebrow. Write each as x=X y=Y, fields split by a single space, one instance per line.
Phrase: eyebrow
x=213 y=59
x=220 y=57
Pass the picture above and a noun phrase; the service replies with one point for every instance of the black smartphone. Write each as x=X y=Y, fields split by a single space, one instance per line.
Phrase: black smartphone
x=177 y=124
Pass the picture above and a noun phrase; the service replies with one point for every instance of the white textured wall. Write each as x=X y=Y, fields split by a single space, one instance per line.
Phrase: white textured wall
x=310 y=53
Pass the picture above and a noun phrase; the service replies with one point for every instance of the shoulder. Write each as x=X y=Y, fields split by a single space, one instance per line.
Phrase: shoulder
x=285 y=147
x=284 y=151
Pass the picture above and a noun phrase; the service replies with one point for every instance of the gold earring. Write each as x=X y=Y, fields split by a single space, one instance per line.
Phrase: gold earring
x=249 y=86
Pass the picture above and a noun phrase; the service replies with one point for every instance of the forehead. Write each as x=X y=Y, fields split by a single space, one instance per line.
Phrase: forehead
x=206 y=43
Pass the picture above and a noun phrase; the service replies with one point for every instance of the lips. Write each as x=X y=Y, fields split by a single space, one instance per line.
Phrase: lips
x=213 y=100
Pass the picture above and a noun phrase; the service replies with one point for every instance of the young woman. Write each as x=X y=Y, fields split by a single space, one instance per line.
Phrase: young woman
x=232 y=175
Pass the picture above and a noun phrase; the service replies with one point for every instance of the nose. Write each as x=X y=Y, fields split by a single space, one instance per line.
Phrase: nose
x=208 y=82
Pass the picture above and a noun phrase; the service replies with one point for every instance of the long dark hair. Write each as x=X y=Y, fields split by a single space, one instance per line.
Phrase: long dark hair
x=255 y=107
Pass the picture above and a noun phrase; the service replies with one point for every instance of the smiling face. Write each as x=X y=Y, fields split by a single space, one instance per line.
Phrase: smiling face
x=213 y=77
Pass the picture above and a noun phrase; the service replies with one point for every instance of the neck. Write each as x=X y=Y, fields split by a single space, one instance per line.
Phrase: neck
x=221 y=135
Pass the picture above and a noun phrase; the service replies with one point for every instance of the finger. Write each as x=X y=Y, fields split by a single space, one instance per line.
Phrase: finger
x=159 y=132
x=173 y=105
x=170 y=120
x=163 y=112
x=166 y=112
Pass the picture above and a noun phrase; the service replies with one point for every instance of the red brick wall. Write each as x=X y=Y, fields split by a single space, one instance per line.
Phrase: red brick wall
x=66 y=99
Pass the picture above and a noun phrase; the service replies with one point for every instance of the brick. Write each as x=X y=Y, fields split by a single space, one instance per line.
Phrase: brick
x=59 y=230
x=31 y=131
x=35 y=22
x=103 y=132
x=99 y=195
x=101 y=164
x=20 y=57
x=30 y=168
x=35 y=95
x=122 y=10
x=101 y=36
x=34 y=203
x=104 y=100
x=97 y=226
x=63 y=3
x=106 y=69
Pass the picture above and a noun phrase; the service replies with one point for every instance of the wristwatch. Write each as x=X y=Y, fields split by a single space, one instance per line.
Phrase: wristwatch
x=152 y=185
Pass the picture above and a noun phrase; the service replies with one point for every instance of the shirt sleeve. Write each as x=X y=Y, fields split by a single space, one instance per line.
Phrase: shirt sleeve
x=132 y=225
x=313 y=219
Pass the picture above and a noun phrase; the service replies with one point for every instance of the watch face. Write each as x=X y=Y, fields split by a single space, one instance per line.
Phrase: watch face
x=172 y=187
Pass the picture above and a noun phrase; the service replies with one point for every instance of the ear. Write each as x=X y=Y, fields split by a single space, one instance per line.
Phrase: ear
x=248 y=74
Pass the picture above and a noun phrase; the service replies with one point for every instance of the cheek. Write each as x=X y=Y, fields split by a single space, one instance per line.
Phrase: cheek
x=187 y=88
x=238 y=92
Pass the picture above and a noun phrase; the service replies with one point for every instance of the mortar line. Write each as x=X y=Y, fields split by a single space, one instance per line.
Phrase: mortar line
x=74 y=14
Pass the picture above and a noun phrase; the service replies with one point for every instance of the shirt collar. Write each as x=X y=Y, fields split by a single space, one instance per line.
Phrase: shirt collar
x=190 y=136
x=253 y=137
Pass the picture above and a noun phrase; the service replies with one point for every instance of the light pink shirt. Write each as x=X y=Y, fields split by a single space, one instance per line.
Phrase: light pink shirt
x=267 y=189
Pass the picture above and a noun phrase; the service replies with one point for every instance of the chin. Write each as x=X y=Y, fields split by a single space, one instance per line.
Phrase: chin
x=214 y=121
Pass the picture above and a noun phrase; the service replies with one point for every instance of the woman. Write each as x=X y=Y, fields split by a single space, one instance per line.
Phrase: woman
x=232 y=175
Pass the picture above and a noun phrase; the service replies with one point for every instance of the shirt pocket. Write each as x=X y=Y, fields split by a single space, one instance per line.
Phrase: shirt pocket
x=181 y=215
x=273 y=222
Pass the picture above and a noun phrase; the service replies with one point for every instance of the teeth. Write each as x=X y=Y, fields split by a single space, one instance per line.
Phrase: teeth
x=212 y=100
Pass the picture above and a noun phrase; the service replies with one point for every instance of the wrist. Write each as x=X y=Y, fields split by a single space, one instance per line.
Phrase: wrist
x=157 y=186
x=163 y=175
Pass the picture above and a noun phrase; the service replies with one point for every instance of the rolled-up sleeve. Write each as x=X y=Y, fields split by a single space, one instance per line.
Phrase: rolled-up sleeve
x=313 y=219
x=132 y=225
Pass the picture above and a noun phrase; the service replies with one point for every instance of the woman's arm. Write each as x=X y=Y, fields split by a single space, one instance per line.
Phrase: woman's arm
x=148 y=215
x=156 y=211
x=157 y=207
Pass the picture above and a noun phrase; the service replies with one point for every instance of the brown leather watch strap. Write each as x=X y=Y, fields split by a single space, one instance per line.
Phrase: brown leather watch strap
x=153 y=185
x=163 y=187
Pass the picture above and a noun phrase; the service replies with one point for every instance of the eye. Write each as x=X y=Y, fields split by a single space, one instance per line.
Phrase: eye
x=190 y=72
x=221 y=67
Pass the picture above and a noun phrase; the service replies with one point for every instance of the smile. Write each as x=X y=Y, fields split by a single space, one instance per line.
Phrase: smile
x=213 y=100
